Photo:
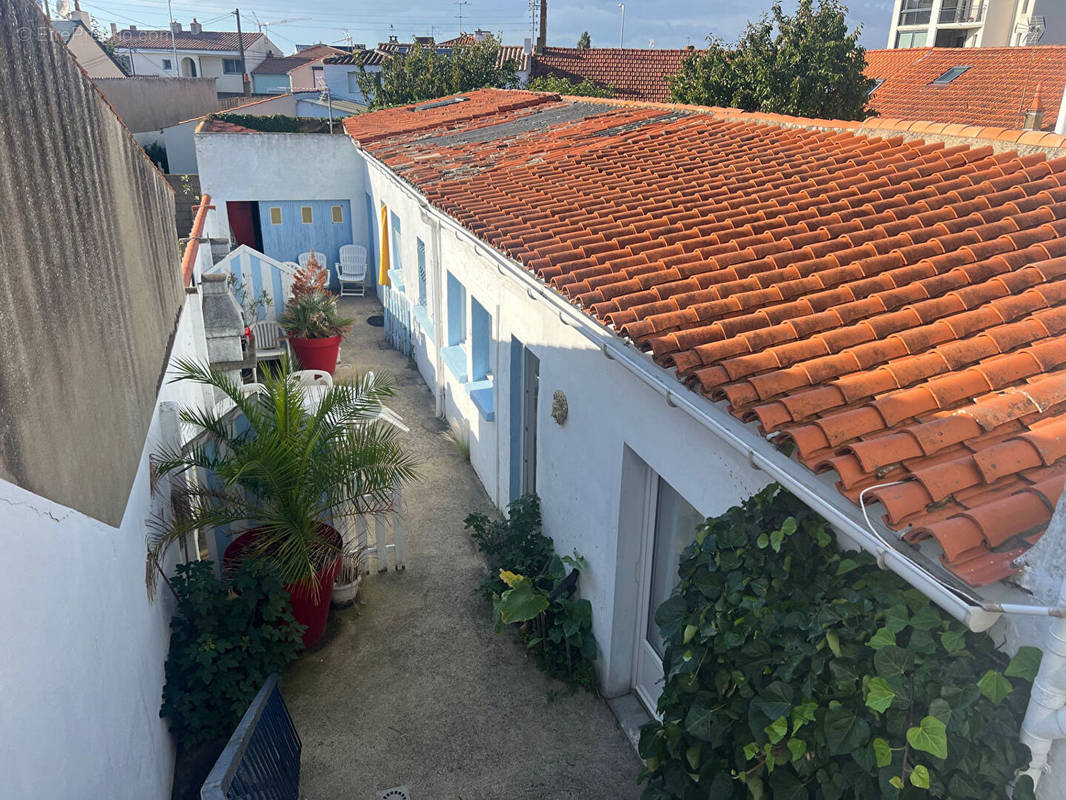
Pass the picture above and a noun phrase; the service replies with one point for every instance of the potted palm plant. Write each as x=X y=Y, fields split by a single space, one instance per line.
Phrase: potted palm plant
x=312 y=320
x=288 y=471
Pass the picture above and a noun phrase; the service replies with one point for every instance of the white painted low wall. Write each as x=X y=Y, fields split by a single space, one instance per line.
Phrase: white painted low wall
x=81 y=676
x=279 y=166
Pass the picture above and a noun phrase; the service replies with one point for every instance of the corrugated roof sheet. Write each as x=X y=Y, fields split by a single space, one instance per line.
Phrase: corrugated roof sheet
x=895 y=308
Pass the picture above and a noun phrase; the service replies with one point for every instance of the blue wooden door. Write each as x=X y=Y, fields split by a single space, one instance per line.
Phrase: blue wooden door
x=291 y=227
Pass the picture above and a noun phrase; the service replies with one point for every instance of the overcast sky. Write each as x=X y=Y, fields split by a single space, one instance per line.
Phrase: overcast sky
x=665 y=23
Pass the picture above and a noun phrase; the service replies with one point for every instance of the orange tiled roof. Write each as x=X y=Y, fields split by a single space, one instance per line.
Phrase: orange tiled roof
x=996 y=91
x=895 y=308
x=633 y=74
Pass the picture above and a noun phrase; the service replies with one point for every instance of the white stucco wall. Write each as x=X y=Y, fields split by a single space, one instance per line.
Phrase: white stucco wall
x=81 y=676
x=279 y=166
x=178 y=139
x=336 y=78
x=580 y=463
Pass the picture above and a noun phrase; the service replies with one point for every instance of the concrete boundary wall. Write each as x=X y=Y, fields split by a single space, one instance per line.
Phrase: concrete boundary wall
x=90 y=289
x=149 y=103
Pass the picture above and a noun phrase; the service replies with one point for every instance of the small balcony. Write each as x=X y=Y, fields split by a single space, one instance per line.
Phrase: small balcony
x=962 y=12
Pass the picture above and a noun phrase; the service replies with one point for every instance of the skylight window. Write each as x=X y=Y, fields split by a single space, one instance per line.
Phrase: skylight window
x=949 y=76
x=877 y=84
x=439 y=103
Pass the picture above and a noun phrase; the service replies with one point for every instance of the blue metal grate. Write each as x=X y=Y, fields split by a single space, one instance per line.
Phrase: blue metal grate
x=262 y=758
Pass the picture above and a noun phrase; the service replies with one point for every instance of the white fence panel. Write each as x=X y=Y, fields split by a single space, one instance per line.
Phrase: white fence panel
x=260 y=283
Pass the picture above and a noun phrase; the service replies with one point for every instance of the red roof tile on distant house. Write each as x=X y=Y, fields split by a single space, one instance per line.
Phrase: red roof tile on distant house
x=226 y=41
x=996 y=91
x=895 y=308
x=633 y=74
x=280 y=66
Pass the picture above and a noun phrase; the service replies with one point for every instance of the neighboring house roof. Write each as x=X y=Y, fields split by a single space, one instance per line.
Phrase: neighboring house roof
x=893 y=307
x=318 y=51
x=280 y=66
x=66 y=28
x=385 y=50
x=369 y=58
x=223 y=41
x=997 y=89
x=633 y=74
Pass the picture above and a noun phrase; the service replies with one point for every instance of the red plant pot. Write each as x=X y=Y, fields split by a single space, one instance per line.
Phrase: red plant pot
x=306 y=608
x=317 y=353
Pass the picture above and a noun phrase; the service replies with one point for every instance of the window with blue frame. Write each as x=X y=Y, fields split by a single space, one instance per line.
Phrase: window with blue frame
x=456 y=311
x=480 y=336
x=481 y=386
x=420 y=310
x=394 y=241
x=421 y=272
x=454 y=355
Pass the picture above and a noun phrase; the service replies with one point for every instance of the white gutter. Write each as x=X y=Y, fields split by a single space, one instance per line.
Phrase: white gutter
x=1060 y=123
x=1045 y=719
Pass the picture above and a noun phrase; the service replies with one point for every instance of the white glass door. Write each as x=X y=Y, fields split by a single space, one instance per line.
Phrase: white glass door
x=670 y=526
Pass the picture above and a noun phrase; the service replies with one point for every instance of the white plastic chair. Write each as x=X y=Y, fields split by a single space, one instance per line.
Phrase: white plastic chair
x=351 y=270
x=313 y=377
x=320 y=258
x=270 y=341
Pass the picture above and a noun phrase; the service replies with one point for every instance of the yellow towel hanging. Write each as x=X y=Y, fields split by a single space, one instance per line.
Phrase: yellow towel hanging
x=383 y=272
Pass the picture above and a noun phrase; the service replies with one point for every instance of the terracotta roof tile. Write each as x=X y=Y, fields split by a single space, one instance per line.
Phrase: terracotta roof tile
x=896 y=310
x=992 y=96
x=633 y=74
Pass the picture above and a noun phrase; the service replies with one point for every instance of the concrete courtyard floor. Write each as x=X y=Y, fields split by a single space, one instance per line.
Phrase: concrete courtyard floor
x=412 y=687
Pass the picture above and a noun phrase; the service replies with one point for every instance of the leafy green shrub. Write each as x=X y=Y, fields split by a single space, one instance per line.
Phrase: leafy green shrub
x=515 y=544
x=556 y=627
x=278 y=123
x=560 y=85
x=795 y=671
x=223 y=645
x=530 y=586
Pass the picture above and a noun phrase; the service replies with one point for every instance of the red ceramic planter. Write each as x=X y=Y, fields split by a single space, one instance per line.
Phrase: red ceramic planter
x=306 y=608
x=317 y=353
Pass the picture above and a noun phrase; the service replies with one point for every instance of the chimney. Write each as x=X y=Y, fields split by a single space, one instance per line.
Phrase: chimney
x=195 y=27
x=223 y=321
x=542 y=37
x=114 y=30
x=1034 y=117
x=527 y=46
x=175 y=27
x=480 y=35
x=133 y=28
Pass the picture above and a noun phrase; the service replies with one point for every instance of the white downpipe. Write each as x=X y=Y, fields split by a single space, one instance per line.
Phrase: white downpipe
x=1060 y=123
x=1045 y=718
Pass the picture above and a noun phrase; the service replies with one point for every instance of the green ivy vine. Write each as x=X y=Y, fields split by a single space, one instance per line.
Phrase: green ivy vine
x=795 y=671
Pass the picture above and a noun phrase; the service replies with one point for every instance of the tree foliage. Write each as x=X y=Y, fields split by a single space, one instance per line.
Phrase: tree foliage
x=797 y=672
x=584 y=42
x=225 y=641
x=426 y=73
x=806 y=65
x=560 y=85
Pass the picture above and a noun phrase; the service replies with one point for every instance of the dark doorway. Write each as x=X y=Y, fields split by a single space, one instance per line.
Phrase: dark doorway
x=244 y=223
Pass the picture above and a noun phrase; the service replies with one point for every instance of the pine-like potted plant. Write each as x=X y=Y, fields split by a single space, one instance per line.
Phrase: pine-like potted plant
x=312 y=320
x=288 y=471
